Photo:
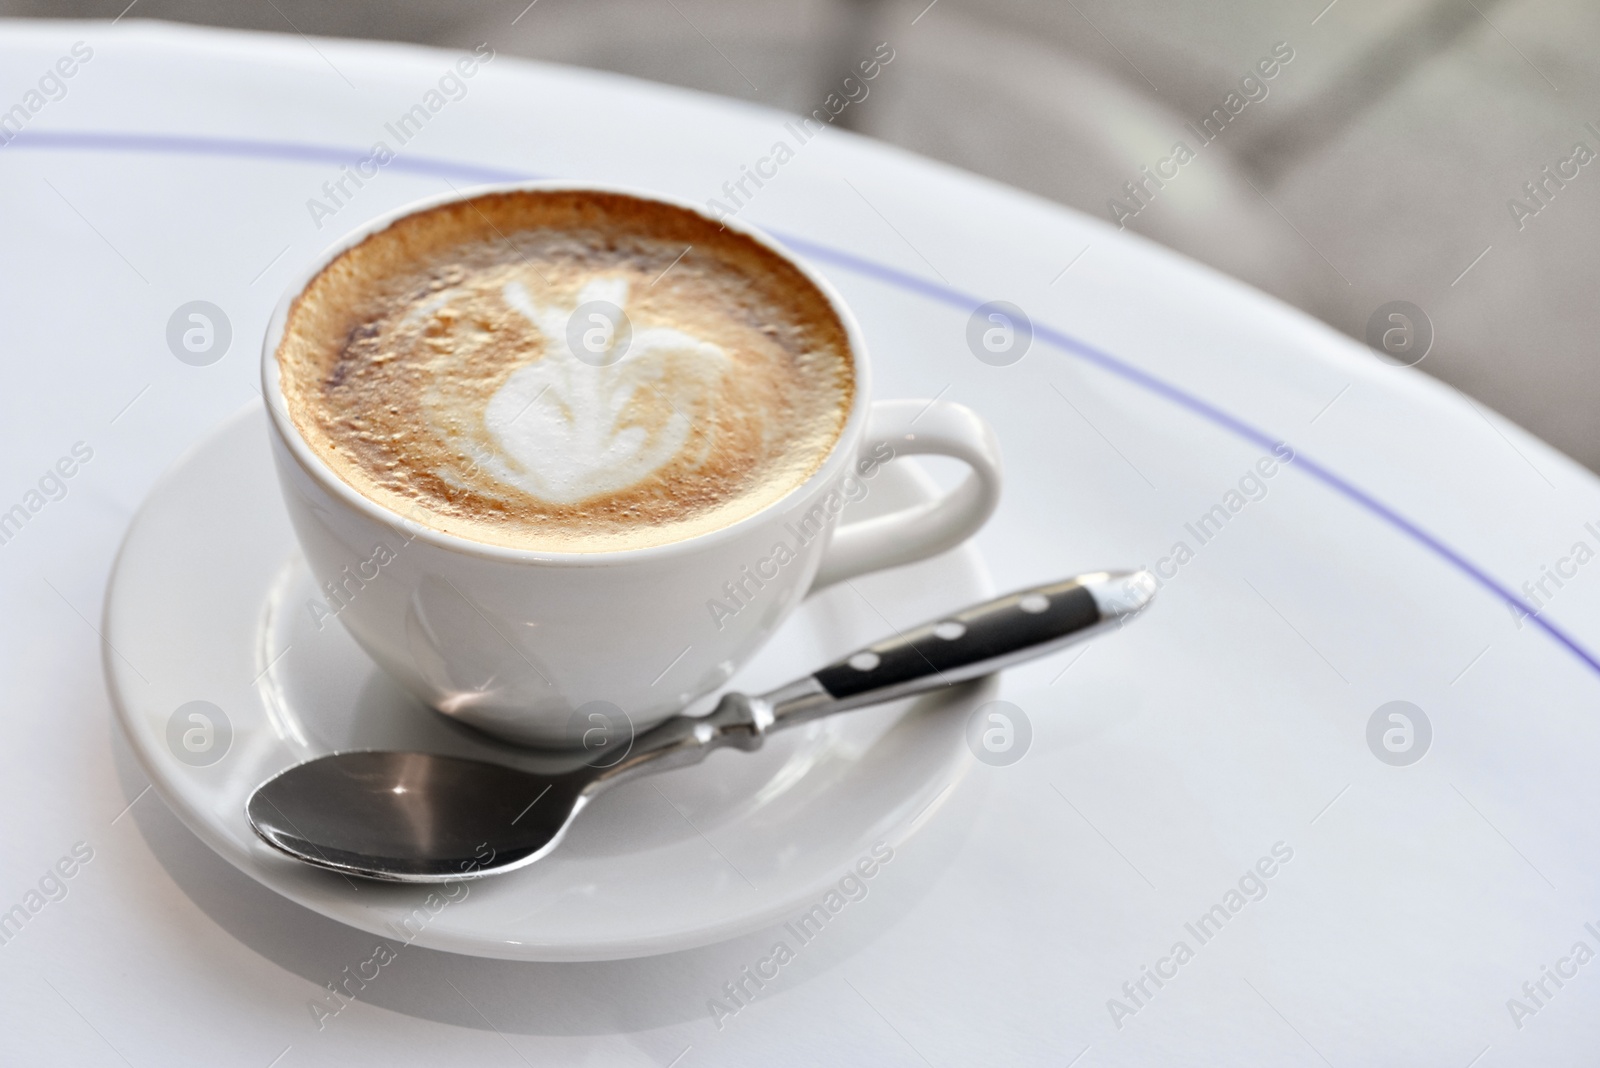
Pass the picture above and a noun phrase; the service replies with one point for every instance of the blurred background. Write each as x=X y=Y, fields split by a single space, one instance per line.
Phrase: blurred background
x=1379 y=163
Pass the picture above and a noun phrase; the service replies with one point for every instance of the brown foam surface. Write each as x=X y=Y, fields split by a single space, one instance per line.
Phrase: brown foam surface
x=433 y=367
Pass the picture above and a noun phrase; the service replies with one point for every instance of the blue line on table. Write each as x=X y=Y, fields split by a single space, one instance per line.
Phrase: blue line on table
x=294 y=151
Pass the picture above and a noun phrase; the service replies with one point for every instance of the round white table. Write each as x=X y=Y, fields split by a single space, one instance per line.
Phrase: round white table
x=1343 y=893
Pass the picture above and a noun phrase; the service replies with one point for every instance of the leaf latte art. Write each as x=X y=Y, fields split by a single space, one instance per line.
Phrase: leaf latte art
x=566 y=424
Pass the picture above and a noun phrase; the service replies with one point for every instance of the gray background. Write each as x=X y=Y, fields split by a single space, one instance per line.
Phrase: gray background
x=1380 y=166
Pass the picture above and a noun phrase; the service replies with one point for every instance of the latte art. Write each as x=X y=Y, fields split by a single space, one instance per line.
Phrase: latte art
x=568 y=372
x=563 y=423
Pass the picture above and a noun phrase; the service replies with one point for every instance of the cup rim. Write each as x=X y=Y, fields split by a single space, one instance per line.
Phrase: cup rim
x=840 y=454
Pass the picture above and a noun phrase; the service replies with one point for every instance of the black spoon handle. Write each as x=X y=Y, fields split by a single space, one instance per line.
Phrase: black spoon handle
x=965 y=645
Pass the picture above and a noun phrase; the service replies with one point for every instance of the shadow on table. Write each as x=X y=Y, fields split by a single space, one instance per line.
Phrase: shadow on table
x=569 y=999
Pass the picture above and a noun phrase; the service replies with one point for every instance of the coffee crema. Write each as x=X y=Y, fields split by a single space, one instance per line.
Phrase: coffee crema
x=566 y=371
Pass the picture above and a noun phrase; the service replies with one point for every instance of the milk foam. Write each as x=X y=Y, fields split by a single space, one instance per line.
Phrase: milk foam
x=570 y=428
x=448 y=368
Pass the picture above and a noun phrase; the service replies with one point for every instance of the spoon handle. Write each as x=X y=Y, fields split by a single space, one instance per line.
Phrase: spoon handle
x=965 y=645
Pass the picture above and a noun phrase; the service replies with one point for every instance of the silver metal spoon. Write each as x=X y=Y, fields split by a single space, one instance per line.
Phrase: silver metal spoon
x=426 y=818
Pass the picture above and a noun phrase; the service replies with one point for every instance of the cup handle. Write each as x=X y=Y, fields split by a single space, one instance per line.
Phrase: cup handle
x=899 y=428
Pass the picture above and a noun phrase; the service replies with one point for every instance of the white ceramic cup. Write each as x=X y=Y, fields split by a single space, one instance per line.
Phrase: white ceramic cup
x=529 y=645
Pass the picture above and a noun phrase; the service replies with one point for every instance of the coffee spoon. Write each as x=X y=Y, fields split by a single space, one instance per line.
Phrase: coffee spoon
x=429 y=818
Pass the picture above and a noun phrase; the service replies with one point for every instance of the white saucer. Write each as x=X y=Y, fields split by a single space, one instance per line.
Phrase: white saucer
x=210 y=598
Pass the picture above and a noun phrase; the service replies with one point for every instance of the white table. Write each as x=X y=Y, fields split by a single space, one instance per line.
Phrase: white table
x=177 y=166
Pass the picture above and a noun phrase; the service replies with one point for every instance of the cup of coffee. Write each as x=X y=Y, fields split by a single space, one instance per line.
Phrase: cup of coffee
x=556 y=452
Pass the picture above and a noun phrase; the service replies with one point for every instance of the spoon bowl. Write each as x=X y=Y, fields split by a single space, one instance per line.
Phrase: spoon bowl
x=421 y=817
